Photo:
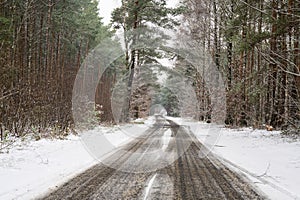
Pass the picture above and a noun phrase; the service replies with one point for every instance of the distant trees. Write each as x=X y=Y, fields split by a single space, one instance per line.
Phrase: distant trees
x=42 y=44
x=137 y=15
x=255 y=44
x=169 y=101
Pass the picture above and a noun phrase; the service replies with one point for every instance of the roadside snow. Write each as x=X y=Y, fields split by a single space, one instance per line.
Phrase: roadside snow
x=101 y=141
x=271 y=161
x=30 y=168
x=267 y=155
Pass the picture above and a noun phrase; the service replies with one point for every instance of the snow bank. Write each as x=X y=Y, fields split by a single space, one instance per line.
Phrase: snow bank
x=31 y=168
x=101 y=141
x=271 y=158
x=271 y=161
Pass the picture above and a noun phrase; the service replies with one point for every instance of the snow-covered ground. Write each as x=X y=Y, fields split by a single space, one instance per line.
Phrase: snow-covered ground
x=270 y=160
x=30 y=168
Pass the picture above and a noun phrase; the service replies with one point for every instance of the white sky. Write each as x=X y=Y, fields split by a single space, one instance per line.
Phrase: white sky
x=107 y=6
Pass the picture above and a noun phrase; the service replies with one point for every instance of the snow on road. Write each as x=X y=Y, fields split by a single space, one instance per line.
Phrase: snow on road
x=267 y=158
x=149 y=186
x=30 y=168
x=166 y=139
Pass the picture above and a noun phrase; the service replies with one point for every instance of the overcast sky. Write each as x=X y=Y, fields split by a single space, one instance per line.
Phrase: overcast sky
x=107 y=6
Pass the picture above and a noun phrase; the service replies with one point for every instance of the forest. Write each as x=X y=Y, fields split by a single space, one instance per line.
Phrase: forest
x=253 y=43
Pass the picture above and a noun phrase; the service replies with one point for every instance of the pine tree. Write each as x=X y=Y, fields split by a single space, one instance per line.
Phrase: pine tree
x=42 y=45
x=135 y=15
x=256 y=48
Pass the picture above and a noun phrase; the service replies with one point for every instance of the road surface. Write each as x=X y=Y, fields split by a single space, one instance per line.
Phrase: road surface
x=158 y=166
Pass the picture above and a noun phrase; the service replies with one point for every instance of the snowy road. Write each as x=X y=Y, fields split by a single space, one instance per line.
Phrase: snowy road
x=163 y=163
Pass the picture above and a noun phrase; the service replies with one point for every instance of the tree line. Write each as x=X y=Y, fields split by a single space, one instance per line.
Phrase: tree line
x=255 y=45
x=42 y=44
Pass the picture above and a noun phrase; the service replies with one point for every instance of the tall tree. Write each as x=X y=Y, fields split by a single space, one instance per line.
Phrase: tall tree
x=42 y=45
x=258 y=54
x=134 y=15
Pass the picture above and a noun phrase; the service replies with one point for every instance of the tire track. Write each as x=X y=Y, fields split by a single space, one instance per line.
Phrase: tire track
x=188 y=177
x=86 y=183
